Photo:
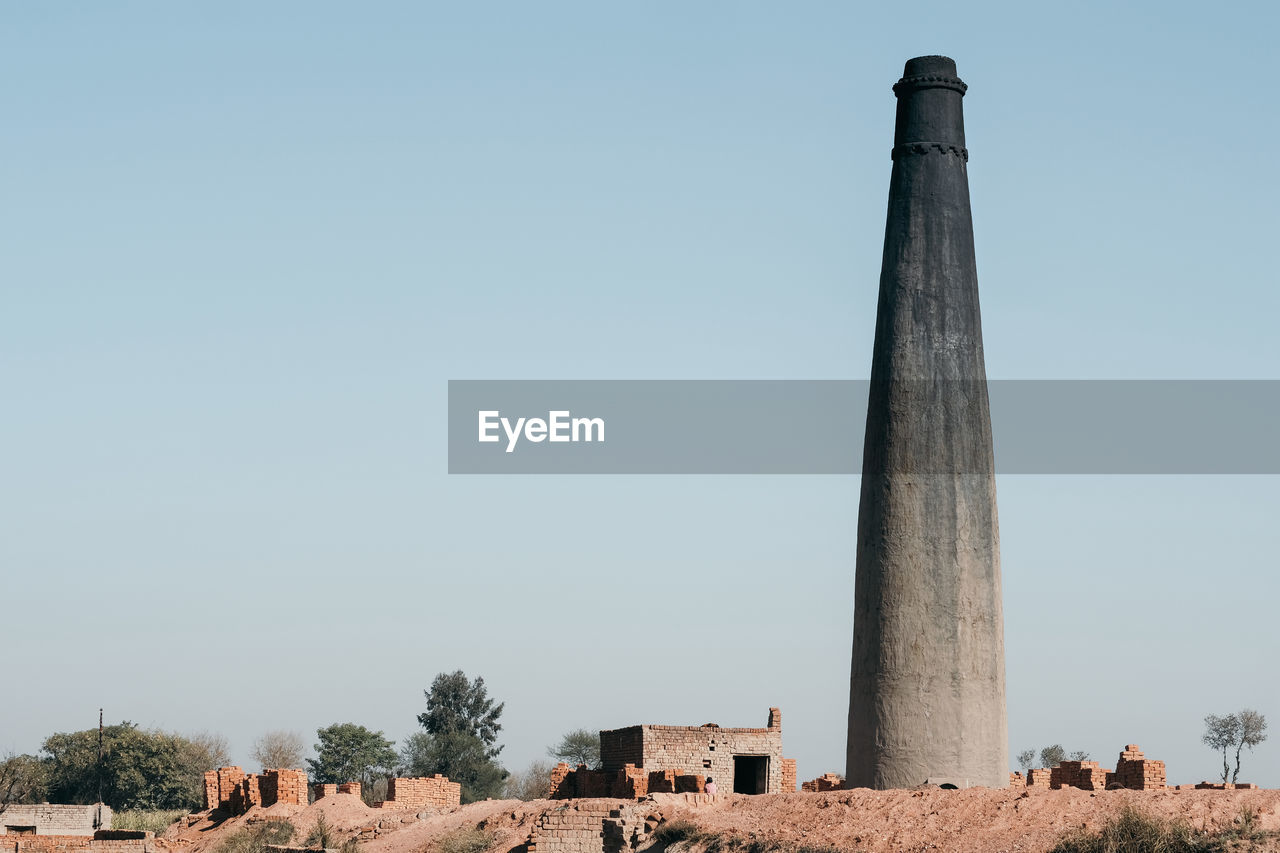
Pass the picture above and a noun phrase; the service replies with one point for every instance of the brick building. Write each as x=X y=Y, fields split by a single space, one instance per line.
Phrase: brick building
x=743 y=761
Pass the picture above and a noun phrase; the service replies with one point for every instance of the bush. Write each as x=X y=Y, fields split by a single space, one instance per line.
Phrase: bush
x=321 y=834
x=466 y=840
x=254 y=839
x=146 y=820
x=1134 y=832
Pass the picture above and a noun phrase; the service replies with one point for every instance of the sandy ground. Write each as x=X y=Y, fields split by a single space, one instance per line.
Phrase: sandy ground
x=977 y=820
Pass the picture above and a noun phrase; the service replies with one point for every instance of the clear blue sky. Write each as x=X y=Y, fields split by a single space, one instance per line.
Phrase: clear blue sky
x=246 y=245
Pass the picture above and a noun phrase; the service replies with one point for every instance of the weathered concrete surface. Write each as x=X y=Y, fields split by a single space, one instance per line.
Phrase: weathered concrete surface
x=927 y=695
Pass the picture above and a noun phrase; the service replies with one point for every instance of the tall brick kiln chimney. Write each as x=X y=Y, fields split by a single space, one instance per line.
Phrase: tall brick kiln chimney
x=926 y=695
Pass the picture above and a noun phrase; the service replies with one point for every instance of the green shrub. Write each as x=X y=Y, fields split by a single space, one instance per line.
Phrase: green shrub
x=1135 y=832
x=466 y=840
x=146 y=820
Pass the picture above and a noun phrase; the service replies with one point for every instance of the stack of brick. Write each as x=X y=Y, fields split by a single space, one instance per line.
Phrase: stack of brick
x=1039 y=777
x=1086 y=775
x=350 y=788
x=283 y=786
x=324 y=789
x=825 y=782
x=230 y=790
x=221 y=786
x=567 y=783
x=1016 y=780
x=435 y=792
x=1138 y=773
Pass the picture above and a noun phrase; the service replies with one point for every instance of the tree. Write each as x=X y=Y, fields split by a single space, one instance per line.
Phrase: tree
x=277 y=750
x=1253 y=731
x=580 y=746
x=460 y=740
x=1238 y=730
x=461 y=756
x=22 y=780
x=455 y=704
x=1052 y=756
x=140 y=768
x=1026 y=758
x=350 y=753
x=533 y=783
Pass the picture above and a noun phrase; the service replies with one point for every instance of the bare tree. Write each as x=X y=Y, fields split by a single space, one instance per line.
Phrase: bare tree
x=534 y=783
x=1026 y=758
x=1221 y=733
x=279 y=749
x=1253 y=731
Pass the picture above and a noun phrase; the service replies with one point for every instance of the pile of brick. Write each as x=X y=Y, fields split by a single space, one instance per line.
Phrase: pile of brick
x=1138 y=773
x=630 y=782
x=788 y=775
x=1086 y=775
x=230 y=790
x=324 y=789
x=1223 y=786
x=1038 y=777
x=283 y=786
x=434 y=792
x=1016 y=780
x=350 y=788
x=825 y=782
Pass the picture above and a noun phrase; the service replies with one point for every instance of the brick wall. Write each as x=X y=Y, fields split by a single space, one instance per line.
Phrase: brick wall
x=435 y=792
x=57 y=819
x=788 y=775
x=229 y=789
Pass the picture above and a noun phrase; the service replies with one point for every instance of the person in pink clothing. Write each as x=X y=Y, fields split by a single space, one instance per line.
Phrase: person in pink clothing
x=711 y=785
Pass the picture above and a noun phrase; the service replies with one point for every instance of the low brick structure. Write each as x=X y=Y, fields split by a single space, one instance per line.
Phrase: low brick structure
x=592 y=826
x=350 y=788
x=54 y=819
x=825 y=782
x=434 y=792
x=741 y=760
x=230 y=790
x=1038 y=777
x=76 y=843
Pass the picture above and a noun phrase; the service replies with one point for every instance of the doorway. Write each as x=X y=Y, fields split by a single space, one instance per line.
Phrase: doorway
x=750 y=774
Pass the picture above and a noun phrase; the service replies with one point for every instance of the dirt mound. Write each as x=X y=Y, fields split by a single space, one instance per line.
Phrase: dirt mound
x=977 y=820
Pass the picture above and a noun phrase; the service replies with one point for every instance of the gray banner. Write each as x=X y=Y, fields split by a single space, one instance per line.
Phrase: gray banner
x=816 y=427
